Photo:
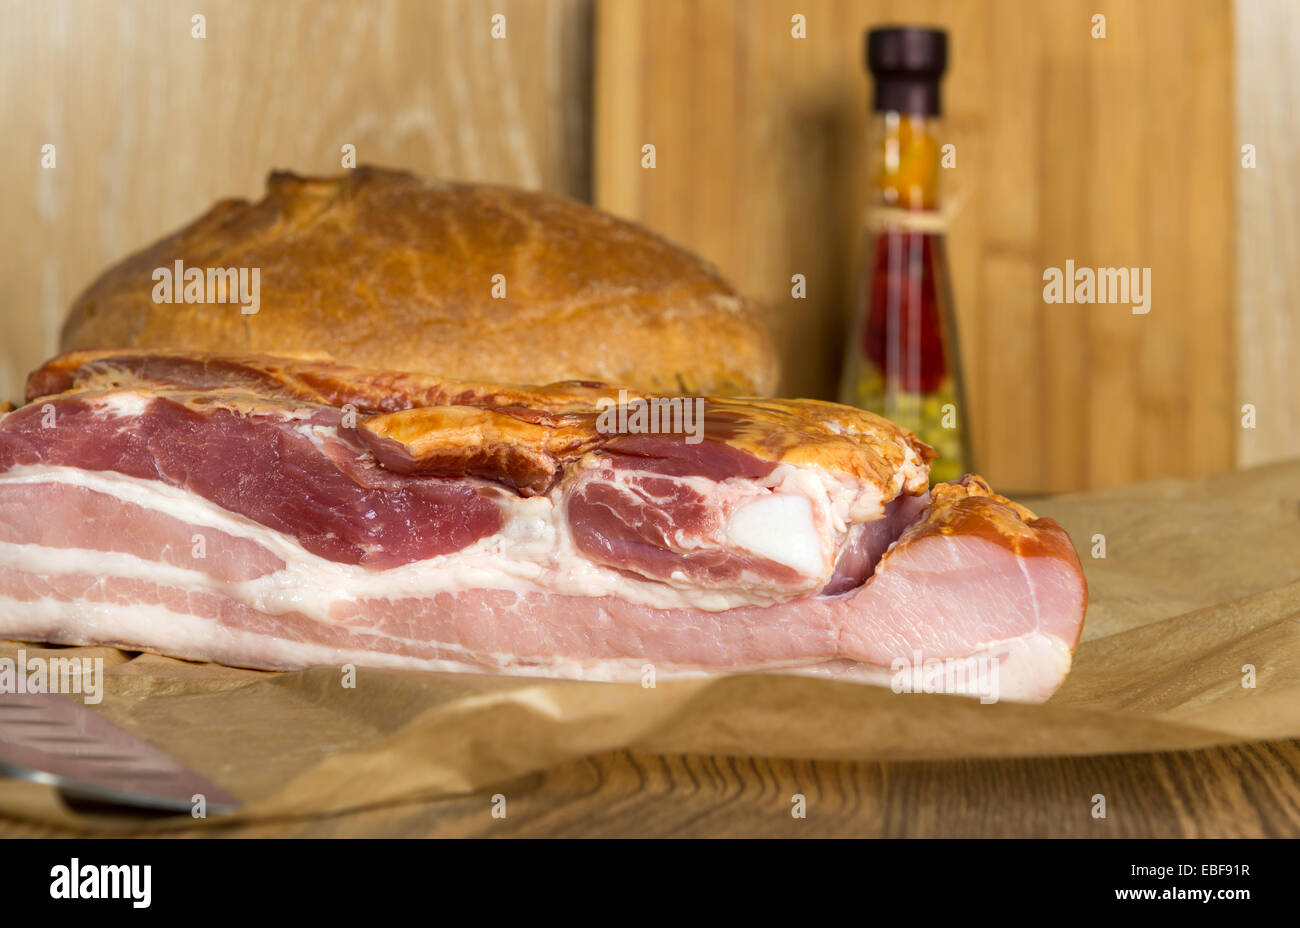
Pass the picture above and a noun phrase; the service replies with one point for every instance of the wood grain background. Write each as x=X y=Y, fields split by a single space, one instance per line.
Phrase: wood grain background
x=1268 y=227
x=1111 y=152
x=152 y=126
x=1123 y=150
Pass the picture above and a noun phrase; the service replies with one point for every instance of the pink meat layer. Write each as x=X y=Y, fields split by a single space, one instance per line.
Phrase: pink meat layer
x=55 y=515
x=318 y=488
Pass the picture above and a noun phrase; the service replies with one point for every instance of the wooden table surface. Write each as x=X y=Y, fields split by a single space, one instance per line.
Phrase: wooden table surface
x=1242 y=791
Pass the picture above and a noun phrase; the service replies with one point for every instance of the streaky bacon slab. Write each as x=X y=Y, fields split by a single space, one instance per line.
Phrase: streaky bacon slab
x=397 y=520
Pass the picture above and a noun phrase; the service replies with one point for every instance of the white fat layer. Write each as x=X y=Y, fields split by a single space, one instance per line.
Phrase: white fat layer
x=533 y=552
x=780 y=527
x=124 y=404
x=1027 y=669
x=839 y=499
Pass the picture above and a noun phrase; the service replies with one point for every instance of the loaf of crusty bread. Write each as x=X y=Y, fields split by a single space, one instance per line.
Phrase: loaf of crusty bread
x=380 y=268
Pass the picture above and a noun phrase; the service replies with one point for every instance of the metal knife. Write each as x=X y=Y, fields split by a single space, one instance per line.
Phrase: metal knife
x=49 y=738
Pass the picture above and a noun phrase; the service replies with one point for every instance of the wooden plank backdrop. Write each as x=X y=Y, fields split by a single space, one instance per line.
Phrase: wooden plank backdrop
x=1268 y=226
x=151 y=125
x=1108 y=151
x=1115 y=151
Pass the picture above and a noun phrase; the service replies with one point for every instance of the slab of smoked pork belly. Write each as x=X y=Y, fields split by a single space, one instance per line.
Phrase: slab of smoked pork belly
x=283 y=512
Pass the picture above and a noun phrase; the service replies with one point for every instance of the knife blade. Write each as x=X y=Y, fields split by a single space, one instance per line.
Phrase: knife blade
x=49 y=738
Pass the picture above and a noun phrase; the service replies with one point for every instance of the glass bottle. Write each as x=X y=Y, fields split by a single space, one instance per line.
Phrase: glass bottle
x=902 y=360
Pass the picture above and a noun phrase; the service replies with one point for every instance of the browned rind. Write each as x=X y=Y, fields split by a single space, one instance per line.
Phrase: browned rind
x=971 y=507
x=418 y=423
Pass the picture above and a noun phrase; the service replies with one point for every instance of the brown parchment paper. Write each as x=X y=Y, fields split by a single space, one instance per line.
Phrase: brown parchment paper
x=1199 y=580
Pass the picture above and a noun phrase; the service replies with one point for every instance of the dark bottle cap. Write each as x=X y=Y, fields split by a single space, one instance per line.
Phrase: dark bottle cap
x=907 y=63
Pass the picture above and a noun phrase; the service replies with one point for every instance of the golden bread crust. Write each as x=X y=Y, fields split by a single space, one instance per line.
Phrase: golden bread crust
x=383 y=269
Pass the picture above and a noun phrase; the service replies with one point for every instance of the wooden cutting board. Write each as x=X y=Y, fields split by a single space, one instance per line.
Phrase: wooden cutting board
x=1243 y=791
x=1111 y=152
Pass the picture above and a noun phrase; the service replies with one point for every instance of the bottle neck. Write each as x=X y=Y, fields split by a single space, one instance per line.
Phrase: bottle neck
x=905 y=152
